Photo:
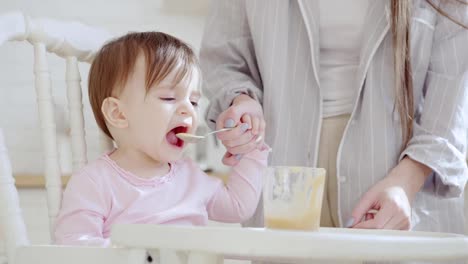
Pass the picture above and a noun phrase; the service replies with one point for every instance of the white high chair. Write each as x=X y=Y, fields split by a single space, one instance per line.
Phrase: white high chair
x=194 y=245
x=66 y=40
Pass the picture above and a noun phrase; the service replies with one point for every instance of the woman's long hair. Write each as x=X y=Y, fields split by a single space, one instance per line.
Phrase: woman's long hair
x=401 y=25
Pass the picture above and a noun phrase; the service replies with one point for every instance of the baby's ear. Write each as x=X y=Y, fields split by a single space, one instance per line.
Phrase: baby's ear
x=112 y=111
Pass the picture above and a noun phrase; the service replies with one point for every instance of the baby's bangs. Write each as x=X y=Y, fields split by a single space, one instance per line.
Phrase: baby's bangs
x=164 y=62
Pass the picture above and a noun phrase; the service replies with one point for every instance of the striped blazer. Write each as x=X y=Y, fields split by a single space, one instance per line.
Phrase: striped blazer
x=269 y=49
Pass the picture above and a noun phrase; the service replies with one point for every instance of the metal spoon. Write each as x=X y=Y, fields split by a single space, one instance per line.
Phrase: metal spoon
x=191 y=138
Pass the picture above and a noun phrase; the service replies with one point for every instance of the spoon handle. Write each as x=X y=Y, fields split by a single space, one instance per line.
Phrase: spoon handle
x=220 y=130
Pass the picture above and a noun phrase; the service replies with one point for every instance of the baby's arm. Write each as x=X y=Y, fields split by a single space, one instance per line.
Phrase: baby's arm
x=237 y=200
x=81 y=217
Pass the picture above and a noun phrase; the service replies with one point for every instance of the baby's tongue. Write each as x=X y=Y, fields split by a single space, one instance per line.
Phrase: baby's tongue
x=171 y=137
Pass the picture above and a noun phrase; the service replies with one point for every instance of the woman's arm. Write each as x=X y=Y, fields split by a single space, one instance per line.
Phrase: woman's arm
x=228 y=58
x=440 y=136
x=435 y=158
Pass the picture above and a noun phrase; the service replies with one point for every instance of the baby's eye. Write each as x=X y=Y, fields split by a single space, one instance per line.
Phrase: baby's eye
x=167 y=99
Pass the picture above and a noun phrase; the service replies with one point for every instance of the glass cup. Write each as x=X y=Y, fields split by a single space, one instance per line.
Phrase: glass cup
x=292 y=197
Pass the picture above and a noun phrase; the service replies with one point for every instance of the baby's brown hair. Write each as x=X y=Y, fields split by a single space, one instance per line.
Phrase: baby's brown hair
x=116 y=60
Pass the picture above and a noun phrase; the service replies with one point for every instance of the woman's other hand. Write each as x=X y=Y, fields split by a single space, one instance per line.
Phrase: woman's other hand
x=391 y=198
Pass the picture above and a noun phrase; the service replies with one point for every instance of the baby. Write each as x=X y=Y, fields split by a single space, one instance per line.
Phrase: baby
x=144 y=88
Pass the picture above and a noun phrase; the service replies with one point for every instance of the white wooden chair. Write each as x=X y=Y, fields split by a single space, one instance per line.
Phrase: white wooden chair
x=65 y=39
x=175 y=245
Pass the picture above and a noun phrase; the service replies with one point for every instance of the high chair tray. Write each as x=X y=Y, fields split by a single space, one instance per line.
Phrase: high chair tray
x=326 y=243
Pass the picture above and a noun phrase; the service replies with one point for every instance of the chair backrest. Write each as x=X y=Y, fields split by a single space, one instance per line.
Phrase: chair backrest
x=65 y=39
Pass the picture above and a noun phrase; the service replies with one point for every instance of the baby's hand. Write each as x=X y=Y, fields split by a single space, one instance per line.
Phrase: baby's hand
x=248 y=134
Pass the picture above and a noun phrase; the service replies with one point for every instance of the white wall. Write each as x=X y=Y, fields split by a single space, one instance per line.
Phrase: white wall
x=18 y=109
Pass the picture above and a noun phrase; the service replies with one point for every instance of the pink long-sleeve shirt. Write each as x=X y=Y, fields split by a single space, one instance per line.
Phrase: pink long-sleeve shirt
x=102 y=194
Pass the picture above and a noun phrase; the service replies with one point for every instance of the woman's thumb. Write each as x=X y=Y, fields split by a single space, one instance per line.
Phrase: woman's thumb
x=228 y=118
x=360 y=210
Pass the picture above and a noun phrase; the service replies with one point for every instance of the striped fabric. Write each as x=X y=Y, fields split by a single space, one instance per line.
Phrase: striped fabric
x=269 y=48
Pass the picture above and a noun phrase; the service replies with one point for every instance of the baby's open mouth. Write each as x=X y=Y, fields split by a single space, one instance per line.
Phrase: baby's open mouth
x=171 y=136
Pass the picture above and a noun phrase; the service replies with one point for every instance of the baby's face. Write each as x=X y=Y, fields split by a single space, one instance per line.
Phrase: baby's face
x=157 y=115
